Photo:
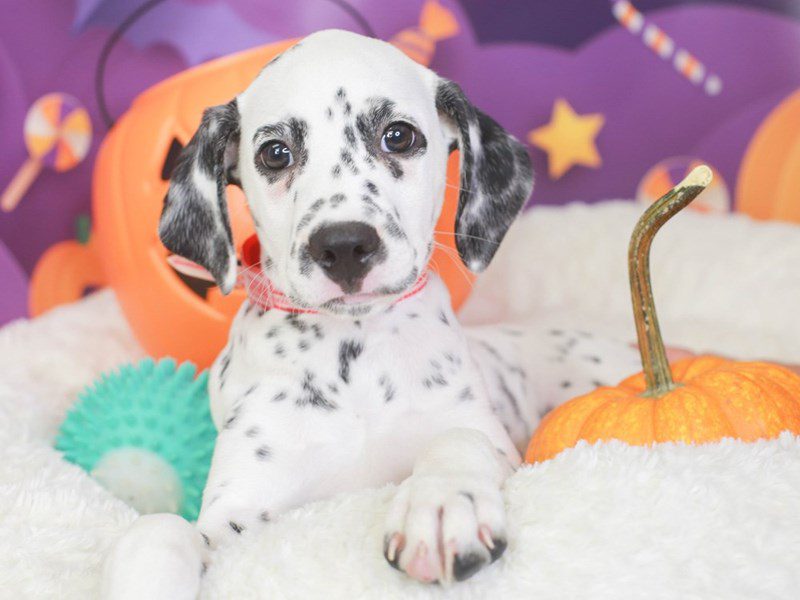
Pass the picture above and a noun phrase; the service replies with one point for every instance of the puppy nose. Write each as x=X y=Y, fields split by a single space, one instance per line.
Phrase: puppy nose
x=345 y=251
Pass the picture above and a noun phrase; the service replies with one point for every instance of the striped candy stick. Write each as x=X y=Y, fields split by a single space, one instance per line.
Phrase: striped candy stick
x=435 y=23
x=662 y=45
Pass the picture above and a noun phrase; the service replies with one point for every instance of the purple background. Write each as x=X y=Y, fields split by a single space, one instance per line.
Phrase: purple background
x=520 y=57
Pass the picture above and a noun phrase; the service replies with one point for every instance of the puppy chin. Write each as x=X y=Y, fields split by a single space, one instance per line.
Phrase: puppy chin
x=378 y=291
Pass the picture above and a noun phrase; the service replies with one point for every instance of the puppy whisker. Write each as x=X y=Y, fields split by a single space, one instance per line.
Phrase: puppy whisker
x=466 y=235
x=459 y=188
x=453 y=256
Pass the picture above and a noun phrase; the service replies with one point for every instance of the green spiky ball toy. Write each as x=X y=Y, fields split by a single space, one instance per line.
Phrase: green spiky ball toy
x=145 y=432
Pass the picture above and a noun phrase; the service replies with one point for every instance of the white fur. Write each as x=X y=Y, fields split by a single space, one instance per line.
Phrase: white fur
x=602 y=522
x=303 y=84
x=352 y=395
x=599 y=522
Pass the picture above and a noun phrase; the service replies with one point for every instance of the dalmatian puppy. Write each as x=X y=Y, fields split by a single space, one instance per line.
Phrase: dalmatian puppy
x=360 y=373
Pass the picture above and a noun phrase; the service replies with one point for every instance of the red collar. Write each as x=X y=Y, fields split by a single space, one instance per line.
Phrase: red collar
x=262 y=293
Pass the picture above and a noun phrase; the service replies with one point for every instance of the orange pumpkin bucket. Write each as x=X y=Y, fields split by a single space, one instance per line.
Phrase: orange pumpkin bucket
x=697 y=400
x=171 y=314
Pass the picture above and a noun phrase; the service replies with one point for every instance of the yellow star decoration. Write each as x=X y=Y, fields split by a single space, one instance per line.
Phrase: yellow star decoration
x=568 y=139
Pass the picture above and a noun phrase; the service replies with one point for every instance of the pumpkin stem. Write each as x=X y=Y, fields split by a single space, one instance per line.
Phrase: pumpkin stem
x=657 y=374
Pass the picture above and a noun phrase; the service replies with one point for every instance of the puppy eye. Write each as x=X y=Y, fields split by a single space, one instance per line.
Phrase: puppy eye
x=398 y=137
x=275 y=155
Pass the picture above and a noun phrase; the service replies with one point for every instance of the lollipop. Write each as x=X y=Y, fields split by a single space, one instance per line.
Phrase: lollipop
x=58 y=134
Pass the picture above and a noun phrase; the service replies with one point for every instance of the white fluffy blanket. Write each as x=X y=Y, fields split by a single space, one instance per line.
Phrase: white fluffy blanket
x=604 y=521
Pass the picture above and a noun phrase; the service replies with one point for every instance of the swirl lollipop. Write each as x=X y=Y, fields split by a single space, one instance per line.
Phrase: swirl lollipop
x=58 y=134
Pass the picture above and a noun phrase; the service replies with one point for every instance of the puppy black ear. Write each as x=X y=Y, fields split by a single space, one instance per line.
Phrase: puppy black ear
x=194 y=222
x=496 y=176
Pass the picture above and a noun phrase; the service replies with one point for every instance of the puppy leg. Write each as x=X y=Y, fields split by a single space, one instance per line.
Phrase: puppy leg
x=530 y=369
x=270 y=456
x=448 y=519
x=160 y=556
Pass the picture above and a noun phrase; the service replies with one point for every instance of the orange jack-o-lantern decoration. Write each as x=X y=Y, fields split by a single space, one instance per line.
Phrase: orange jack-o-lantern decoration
x=173 y=314
x=698 y=400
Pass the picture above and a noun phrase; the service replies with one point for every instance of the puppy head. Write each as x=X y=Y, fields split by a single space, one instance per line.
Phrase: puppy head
x=341 y=146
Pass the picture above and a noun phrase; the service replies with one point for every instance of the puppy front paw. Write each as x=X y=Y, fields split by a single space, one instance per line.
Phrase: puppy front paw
x=445 y=528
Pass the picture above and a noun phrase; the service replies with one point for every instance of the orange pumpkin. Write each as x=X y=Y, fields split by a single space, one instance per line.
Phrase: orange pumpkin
x=63 y=274
x=169 y=315
x=698 y=400
x=769 y=176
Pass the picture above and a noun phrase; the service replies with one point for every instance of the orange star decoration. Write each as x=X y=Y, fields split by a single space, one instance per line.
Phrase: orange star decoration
x=568 y=139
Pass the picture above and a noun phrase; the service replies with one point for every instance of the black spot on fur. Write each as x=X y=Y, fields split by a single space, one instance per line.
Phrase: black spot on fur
x=371 y=188
x=234 y=416
x=312 y=395
x=435 y=379
x=337 y=199
x=349 y=135
x=512 y=400
x=237 y=528
x=263 y=452
x=303 y=345
x=319 y=203
x=349 y=350
x=565 y=384
x=252 y=432
x=317 y=329
x=393 y=228
x=336 y=171
x=466 y=394
x=453 y=358
x=394 y=167
x=388 y=388
x=264 y=516
x=272 y=332
x=306 y=261
x=279 y=397
x=280 y=350
x=369 y=202
x=594 y=359
x=468 y=496
x=329 y=113
x=443 y=318
x=296 y=322
x=348 y=161
x=225 y=363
